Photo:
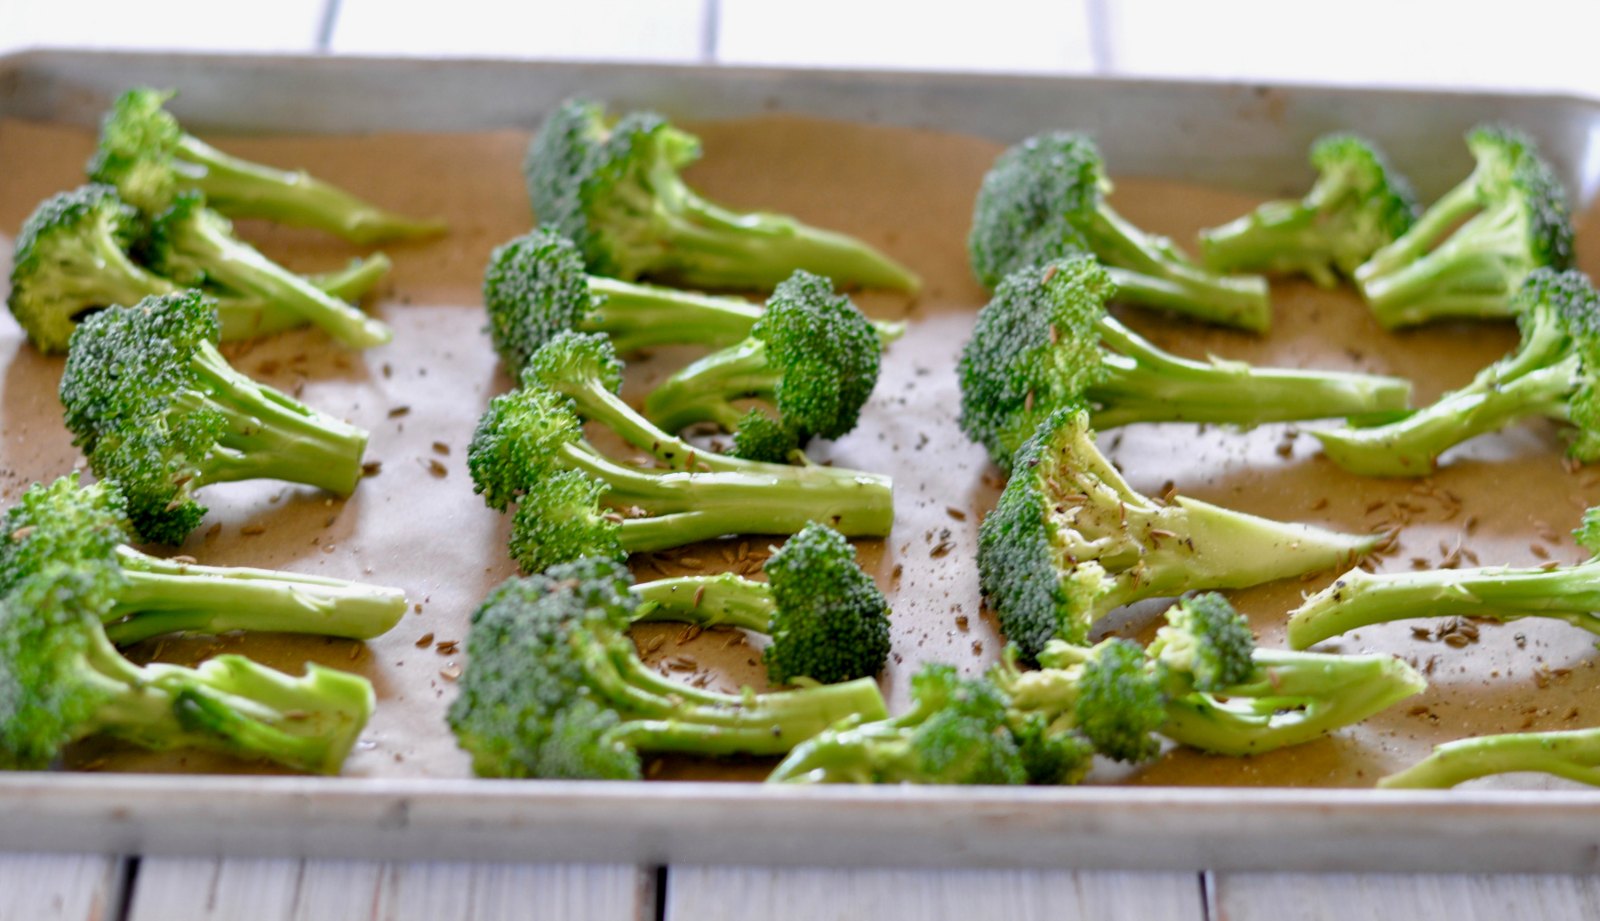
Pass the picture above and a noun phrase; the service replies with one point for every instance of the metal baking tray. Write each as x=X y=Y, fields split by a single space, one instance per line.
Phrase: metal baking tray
x=1245 y=137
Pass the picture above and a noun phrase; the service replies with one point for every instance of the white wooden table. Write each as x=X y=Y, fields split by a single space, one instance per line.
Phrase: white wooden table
x=1241 y=38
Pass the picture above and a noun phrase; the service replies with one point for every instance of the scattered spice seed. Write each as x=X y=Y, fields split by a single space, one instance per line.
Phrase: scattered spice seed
x=440 y=447
x=398 y=411
x=448 y=647
x=371 y=468
x=943 y=548
x=955 y=513
x=424 y=641
x=253 y=530
x=437 y=468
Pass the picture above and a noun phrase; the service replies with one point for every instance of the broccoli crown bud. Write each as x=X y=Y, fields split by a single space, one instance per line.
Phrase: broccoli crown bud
x=562 y=520
x=1351 y=165
x=1034 y=205
x=1567 y=301
x=138 y=141
x=825 y=353
x=516 y=441
x=1209 y=641
x=1588 y=532
x=1120 y=702
x=572 y=356
x=1512 y=167
x=528 y=705
x=964 y=738
x=533 y=288
x=60 y=522
x=830 y=622
x=760 y=437
x=1036 y=347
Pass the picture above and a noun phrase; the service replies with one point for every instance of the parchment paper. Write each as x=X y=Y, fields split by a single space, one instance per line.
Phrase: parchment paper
x=417 y=524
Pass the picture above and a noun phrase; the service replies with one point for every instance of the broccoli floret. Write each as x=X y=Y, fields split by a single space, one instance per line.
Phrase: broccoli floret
x=195 y=245
x=61 y=680
x=1504 y=593
x=1572 y=754
x=554 y=688
x=1552 y=373
x=827 y=619
x=1045 y=341
x=956 y=732
x=529 y=450
x=64 y=523
x=145 y=152
x=1044 y=199
x=812 y=355
x=1070 y=540
x=615 y=191
x=1201 y=683
x=155 y=407
x=535 y=287
x=1469 y=253
x=72 y=258
x=1358 y=205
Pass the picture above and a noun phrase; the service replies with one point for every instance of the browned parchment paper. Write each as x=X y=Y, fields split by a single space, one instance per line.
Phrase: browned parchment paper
x=417 y=524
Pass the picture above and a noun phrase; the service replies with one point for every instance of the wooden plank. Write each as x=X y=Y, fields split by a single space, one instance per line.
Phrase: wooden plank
x=617 y=30
x=787 y=894
x=228 y=889
x=1458 y=897
x=1049 y=36
x=189 y=25
x=60 y=887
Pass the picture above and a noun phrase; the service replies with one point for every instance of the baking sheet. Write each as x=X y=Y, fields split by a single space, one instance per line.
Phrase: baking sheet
x=417 y=524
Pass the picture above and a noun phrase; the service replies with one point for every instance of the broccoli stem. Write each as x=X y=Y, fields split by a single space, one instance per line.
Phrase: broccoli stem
x=683 y=508
x=1467 y=276
x=247 y=317
x=709 y=601
x=240 y=267
x=597 y=401
x=1145 y=384
x=232 y=705
x=1415 y=242
x=1410 y=446
x=240 y=188
x=1361 y=599
x=1280 y=237
x=712 y=246
x=1221 y=548
x=161 y=596
x=1293 y=697
x=640 y=316
x=267 y=435
x=1230 y=301
x=107 y=276
x=1573 y=754
x=702 y=391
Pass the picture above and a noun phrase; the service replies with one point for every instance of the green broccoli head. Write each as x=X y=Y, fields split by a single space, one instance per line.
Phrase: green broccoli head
x=1514 y=171
x=138 y=149
x=533 y=288
x=1208 y=641
x=528 y=703
x=964 y=738
x=60 y=522
x=760 y=437
x=1568 y=301
x=1588 y=531
x=1120 y=702
x=830 y=623
x=1035 y=205
x=1036 y=347
x=71 y=258
x=574 y=360
x=562 y=520
x=1356 y=179
x=823 y=352
x=48 y=692
x=1051 y=755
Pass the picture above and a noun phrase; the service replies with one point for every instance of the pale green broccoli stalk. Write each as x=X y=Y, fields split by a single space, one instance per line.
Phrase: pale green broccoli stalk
x=1045 y=341
x=1044 y=200
x=1358 y=205
x=1551 y=374
x=812 y=355
x=827 y=619
x=956 y=732
x=146 y=154
x=64 y=523
x=616 y=192
x=1469 y=253
x=61 y=680
x=1070 y=540
x=1504 y=593
x=1572 y=754
x=554 y=688
x=155 y=407
x=196 y=245
x=251 y=316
